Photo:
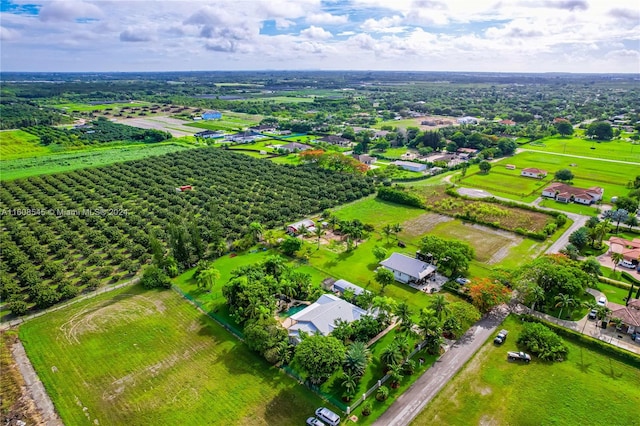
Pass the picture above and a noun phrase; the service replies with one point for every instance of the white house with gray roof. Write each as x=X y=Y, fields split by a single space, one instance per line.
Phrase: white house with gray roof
x=320 y=317
x=408 y=269
x=343 y=285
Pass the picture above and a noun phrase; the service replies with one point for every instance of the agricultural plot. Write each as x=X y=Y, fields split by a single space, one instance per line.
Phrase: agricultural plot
x=67 y=161
x=509 y=218
x=613 y=177
x=18 y=144
x=610 y=150
x=81 y=107
x=136 y=357
x=587 y=388
x=79 y=230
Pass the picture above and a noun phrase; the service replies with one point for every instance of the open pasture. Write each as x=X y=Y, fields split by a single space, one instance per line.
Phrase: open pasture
x=587 y=388
x=613 y=177
x=610 y=150
x=137 y=357
x=503 y=181
x=18 y=143
x=82 y=107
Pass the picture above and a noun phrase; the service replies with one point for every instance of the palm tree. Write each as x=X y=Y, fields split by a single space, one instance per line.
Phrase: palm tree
x=403 y=345
x=356 y=359
x=601 y=230
x=391 y=355
x=617 y=258
x=207 y=278
x=563 y=301
x=431 y=329
x=403 y=312
x=319 y=232
x=350 y=383
x=395 y=374
x=387 y=230
x=439 y=305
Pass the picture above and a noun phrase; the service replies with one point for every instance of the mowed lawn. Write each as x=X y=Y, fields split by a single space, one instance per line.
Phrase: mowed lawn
x=504 y=181
x=613 y=177
x=587 y=388
x=610 y=150
x=18 y=143
x=145 y=357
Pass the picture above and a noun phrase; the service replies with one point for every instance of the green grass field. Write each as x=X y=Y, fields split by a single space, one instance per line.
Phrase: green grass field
x=285 y=99
x=230 y=121
x=18 y=144
x=499 y=179
x=610 y=150
x=138 y=357
x=69 y=107
x=587 y=388
x=56 y=163
x=612 y=177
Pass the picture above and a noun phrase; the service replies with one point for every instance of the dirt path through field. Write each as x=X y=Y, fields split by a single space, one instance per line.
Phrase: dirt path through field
x=35 y=388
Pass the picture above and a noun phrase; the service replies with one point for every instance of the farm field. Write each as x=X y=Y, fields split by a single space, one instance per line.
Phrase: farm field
x=613 y=177
x=18 y=144
x=138 y=357
x=67 y=161
x=491 y=390
x=610 y=150
x=286 y=99
x=230 y=121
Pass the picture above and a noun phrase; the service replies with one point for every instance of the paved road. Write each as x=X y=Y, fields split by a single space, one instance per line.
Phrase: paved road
x=410 y=403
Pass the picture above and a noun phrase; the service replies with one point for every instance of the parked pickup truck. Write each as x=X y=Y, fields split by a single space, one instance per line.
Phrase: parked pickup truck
x=501 y=337
x=518 y=356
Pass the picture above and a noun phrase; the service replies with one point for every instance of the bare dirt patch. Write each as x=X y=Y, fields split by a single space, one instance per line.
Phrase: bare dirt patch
x=94 y=318
x=424 y=223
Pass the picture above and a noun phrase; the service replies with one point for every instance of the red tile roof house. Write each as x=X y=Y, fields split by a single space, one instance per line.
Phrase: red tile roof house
x=630 y=316
x=564 y=193
x=533 y=172
x=630 y=250
x=508 y=122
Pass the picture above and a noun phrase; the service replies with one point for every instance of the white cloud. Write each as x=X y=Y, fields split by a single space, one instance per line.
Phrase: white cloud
x=316 y=33
x=381 y=25
x=69 y=10
x=327 y=19
x=135 y=35
x=7 y=34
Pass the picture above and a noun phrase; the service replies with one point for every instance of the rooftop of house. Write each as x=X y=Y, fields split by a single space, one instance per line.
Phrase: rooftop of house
x=628 y=315
x=563 y=188
x=534 y=170
x=342 y=285
x=408 y=265
x=320 y=316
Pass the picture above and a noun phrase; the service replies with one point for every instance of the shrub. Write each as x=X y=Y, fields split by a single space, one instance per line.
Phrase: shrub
x=366 y=408
x=399 y=197
x=154 y=277
x=382 y=393
x=17 y=307
x=542 y=342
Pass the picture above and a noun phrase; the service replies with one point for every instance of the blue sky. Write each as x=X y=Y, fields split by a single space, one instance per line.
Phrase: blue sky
x=429 y=35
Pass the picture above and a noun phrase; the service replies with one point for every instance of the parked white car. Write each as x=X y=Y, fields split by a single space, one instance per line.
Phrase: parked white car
x=602 y=301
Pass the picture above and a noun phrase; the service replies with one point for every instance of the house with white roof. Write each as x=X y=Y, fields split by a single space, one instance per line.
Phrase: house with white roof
x=410 y=165
x=295 y=228
x=407 y=269
x=320 y=317
x=341 y=286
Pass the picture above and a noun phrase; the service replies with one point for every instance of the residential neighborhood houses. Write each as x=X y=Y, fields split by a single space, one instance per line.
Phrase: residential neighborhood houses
x=630 y=250
x=564 y=193
x=295 y=147
x=629 y=315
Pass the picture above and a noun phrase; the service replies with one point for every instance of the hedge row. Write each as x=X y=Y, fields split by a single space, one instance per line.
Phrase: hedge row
x=614 y=283
x=630 y=277
x=399 y=197
x=595 y=344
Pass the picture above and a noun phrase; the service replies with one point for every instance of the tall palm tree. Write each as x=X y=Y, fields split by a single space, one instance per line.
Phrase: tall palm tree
x=439 y=306
x=563 y=301
x=403 y=312
x=208 y=278
x=395 y=374
x=601 y=230
x=319 y=232
x=617 y=258
x=431 y=329
x=256 y=230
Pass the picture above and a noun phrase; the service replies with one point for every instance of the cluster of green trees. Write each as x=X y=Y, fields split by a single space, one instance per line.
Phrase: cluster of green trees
x=93 y=225
x=541 y=341
x=542 y=281
x=99 y=131
x=398 y=195
x=453 y=256
x=18 y=113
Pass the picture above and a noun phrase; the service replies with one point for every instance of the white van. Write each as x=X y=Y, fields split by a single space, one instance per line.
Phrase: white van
x=627 y=264
x=328 y=416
